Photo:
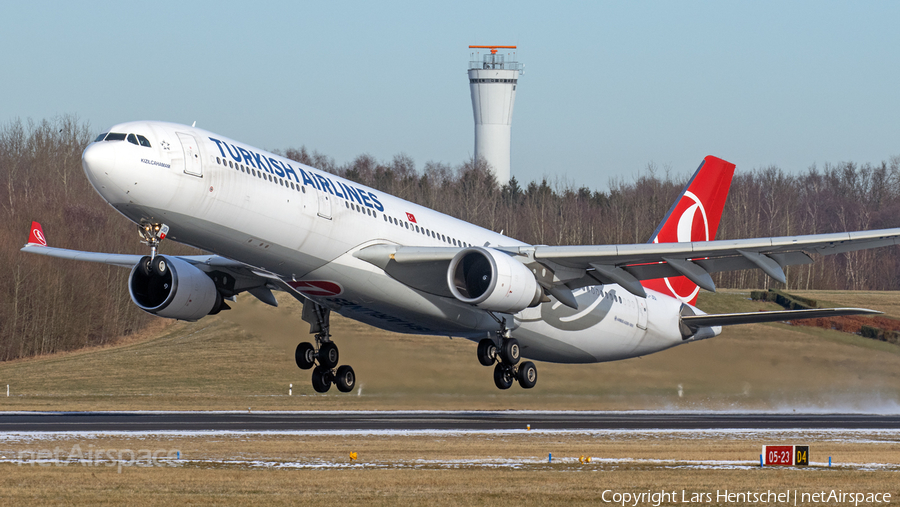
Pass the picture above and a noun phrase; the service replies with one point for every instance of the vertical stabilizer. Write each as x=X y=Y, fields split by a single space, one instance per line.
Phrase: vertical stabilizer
x=694 y=217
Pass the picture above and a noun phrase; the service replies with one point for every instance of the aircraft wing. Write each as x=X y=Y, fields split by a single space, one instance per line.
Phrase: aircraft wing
x=572 y=267
x=246 y=278
x=628 y=264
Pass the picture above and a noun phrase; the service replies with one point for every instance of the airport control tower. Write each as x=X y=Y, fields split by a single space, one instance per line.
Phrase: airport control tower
x=492 y=82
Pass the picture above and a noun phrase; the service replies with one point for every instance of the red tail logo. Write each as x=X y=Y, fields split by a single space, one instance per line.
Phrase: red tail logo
x=694 y=217
x=37 y=235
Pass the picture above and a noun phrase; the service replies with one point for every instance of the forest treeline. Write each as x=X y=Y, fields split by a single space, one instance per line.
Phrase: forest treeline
x=49 y=305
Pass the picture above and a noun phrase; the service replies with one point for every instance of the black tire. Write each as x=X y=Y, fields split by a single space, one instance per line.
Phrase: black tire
x=345 y=380
x=144 y=265
x=328 y=355
x=305 y=356
x=527 y=375
x=321 y=379
x=509 y=351
x=159 y=266
x=487 y=352
x=503 y=376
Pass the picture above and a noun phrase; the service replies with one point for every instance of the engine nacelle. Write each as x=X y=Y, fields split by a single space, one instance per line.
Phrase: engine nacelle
x=182 y=292
x=492 y=280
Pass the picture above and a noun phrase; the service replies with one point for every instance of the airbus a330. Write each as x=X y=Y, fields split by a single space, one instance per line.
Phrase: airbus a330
x=272 y=224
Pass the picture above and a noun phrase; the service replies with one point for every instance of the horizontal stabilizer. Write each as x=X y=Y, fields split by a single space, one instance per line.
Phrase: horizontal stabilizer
x=695 y=322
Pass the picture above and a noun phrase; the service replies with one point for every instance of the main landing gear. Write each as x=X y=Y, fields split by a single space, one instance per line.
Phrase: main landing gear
x=506 y=357
x=323 y=357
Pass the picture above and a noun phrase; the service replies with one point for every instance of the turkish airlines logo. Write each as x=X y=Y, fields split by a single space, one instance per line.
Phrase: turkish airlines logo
x=686 y=222
x=411 y=217
x=39 y=236
x=317 y=288
x=685 y=233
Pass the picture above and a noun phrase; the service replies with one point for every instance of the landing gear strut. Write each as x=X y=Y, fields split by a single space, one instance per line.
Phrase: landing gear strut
x=506 y=356
x=152 y=235
x=323 y=356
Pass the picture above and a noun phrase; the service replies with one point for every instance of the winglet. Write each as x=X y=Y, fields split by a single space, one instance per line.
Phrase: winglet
x=37 y=235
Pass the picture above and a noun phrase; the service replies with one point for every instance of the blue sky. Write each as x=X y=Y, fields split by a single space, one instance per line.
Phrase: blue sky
x=608 y=87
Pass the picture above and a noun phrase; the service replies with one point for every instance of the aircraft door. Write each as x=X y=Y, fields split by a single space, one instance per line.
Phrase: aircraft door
x=642 y=313
x=192 y=164
x=324 y=204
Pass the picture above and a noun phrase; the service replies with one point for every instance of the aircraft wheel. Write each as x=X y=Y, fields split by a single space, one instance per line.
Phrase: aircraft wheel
x=305 y=356
x=159 y=266
x=509 y=351
x=321 y=379
x=487 y=352
x=345 y=380
x=527 y=375
x=144 y=265
x=328 y=355
x=503 y=376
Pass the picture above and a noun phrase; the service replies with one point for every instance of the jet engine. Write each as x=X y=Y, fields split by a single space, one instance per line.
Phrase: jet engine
x=173 y=288
x=493 y=280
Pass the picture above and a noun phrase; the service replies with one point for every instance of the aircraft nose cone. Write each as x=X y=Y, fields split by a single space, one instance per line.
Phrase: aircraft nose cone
x=99 y=163
x=98 y=159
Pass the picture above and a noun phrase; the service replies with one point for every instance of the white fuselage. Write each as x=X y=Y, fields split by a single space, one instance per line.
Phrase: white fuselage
x=303 y=224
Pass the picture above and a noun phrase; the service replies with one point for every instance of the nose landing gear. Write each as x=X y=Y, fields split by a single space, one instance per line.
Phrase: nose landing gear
x=323 y=357
x=152 y=235
x=506 y=356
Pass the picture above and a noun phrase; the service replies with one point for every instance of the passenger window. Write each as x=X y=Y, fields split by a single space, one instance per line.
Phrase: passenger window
x=112 y=136
x=100 y=137
x=144 y=141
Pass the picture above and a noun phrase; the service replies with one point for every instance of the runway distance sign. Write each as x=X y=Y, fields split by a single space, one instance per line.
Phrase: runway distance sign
x=785 y=455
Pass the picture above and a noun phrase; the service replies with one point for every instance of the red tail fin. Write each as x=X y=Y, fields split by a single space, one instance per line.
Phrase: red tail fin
x=37 y=235
x=694 y=217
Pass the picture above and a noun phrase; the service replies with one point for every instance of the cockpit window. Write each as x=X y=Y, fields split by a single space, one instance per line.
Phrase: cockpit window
x=132 y=139
x=115 y=137
x=100 y=137
x=143 y=140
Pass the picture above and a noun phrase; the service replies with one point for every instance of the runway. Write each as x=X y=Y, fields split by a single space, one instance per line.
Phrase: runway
x=428 y=420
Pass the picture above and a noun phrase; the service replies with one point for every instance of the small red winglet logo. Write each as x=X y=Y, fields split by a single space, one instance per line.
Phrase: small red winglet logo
x=37 y=235
x=411 y=217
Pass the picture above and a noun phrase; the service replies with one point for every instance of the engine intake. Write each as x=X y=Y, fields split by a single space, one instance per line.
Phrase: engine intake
x=493 y=280
x=180 y=291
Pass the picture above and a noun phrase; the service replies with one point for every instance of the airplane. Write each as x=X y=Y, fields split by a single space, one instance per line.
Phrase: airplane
x=272 y=224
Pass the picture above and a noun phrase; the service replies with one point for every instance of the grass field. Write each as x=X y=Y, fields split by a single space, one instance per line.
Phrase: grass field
x=444 y=468
x=244 y=358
